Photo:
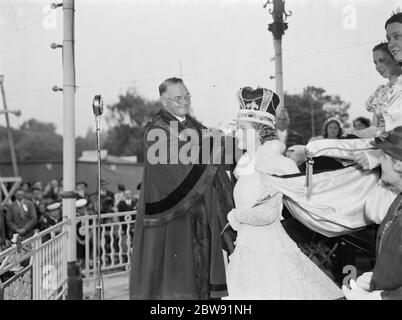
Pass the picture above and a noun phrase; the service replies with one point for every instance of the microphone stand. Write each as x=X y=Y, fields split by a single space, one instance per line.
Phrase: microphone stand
x=98 y=109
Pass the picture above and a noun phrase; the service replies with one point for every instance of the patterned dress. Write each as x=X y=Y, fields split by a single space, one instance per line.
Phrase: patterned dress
x=386 y=104
x=266 y=263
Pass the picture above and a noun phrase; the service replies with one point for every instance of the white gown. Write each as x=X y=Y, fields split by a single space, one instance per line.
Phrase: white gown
x=266 y=263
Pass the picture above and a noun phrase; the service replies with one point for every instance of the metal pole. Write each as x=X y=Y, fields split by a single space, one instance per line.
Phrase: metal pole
x=312 y=119
x=278 y=28
x=278 y=70
x=74 y=277
x=97 y=106
x=99 y=286
x=9 y=133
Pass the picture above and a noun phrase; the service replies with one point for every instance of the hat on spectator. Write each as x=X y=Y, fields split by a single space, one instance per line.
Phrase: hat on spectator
x=81 y=203
x=53 y=206
x=82 y=182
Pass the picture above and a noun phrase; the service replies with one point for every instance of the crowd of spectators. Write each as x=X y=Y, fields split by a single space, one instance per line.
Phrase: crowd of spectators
x=35 y=206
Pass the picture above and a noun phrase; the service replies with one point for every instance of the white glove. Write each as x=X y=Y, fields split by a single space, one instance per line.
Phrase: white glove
x=363 y=282
x=362 y=160
x=357 y=293
x=232 y=220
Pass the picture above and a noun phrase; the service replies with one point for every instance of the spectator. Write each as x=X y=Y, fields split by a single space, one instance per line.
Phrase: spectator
x=37 y=200
x=107 y=198
x=361 y=123
x=52 y=191
x=128 y=203
x=346 y=126
x=37 y=184
x=82 y=187
x=378 y=102
x=120 y=194
x=26 y=186
x=51 y=217
x=332 y=129
x=287 y=136
x=21 y=216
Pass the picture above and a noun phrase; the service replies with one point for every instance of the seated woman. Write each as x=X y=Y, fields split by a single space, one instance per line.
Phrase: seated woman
x=385 y=281
x=332 y=129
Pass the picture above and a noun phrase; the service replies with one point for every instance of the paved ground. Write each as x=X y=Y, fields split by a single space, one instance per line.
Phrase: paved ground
x=115 y=288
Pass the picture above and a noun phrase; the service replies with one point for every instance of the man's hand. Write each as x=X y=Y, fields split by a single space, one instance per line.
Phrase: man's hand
x=362 y=160
x=363 y=282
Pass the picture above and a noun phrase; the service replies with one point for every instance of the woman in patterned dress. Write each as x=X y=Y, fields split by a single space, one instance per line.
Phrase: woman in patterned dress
x=266 y=263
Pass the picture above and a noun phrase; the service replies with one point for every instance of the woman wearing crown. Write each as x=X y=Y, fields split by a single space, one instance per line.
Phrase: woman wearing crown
x=266 y=263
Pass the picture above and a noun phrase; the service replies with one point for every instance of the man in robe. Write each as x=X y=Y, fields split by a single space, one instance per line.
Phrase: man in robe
x=177 y=250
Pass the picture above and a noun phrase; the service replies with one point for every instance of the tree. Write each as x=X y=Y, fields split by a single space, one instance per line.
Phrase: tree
x=38 y=141
x=314 y=101
x=127 y=120
x=40 y=145
x=37 y=126
x=85 y=143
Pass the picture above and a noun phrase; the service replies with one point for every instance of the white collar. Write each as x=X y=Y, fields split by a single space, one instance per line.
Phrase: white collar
x=181 y=119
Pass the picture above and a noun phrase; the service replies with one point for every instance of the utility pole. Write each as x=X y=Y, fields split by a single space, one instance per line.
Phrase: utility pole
x=74 y=277
x=278 y=28
x=9 y=133
x=312 y=119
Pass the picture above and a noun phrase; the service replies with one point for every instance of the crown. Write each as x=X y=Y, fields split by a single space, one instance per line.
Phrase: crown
x=257 y=105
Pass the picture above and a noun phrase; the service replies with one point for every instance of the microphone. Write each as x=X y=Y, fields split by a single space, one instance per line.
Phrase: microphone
x=97 y=105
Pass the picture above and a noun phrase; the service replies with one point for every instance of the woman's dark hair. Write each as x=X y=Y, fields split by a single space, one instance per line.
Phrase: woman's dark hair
x=325 y=129
x=396 y=17
x=383 y=46
x=366 y=122
x=265 y=132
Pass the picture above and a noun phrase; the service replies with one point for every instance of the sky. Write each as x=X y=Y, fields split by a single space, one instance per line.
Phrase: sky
x=216 y=46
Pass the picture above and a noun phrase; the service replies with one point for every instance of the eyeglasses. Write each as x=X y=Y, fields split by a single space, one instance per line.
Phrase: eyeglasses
x=181 y=99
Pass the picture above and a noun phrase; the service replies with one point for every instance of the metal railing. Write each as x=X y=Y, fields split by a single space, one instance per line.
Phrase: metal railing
x=116 y=237
x=36 y=268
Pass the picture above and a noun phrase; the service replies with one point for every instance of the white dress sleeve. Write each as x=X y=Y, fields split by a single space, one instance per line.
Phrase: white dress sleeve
x=265 y=211
x=377 y=100
x=393 y=111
